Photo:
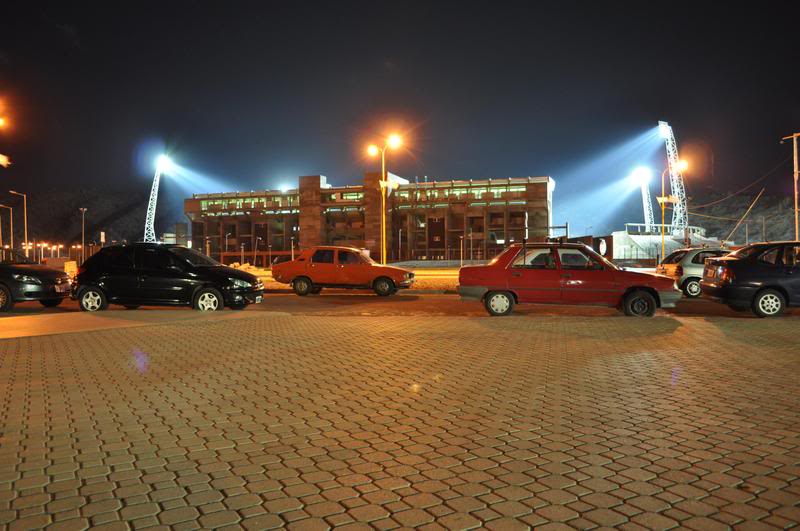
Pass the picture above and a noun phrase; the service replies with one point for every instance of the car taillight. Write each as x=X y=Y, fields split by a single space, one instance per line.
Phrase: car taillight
x=725 y=274
x=679 y=271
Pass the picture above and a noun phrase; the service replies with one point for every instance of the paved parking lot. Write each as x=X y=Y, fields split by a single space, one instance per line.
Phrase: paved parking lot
x=416 y=412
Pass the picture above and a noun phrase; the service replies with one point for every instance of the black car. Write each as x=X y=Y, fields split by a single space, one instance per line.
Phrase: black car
x=762 y=277
x=22 y=280
x=162 y=275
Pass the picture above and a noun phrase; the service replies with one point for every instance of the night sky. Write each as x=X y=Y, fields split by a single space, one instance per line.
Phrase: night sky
x=254 y=94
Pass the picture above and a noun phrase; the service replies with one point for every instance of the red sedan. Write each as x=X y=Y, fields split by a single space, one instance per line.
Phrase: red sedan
x=563 y=273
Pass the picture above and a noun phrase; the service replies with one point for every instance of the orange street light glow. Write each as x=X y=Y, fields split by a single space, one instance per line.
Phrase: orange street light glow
x=394 y=141
x=2 y=121
x=683 y=165
x=373 y=150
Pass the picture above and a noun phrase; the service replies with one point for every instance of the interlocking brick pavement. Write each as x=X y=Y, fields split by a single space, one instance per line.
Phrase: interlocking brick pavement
x=421 y=421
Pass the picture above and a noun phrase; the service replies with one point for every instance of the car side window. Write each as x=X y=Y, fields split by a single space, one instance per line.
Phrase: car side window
x=577 y=259
x=121 y=258
x=771 y=257
x=700 y=258
x=322 y=256
x=541 y=258
x=153 y=259
x=791 y=256
x=349 y=258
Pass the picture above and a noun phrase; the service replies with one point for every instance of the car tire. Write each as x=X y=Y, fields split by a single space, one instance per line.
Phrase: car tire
x=6 y=300
x=768 y=303
x=209 y=300
x=383 y=286
x=316 y=290
x=639 y=303
x=691 y=288
x=302 y=286
x=499 y=303
x=50 y=303
x=92 y=299
x=131 y=306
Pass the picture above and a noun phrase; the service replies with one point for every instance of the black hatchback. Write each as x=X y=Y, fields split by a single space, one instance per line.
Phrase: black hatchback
x=162 y=275
x=762 y=277
x=22 y=280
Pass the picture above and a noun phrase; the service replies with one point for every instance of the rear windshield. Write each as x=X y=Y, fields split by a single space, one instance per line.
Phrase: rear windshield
x=675 y=257
x=748 y=250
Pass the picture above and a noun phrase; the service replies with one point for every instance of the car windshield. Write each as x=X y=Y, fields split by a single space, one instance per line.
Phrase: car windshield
x=193 y=257
x=7 y=256
x=674 y=258
x=366 y=257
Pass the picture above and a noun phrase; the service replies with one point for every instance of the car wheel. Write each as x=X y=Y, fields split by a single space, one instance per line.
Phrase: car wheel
x=302 y=286
x=209 y=300
x=639 y=303
x=92 y=299
x=499 y=303
x=768 y=303
x=691 y=288
x=383 y=286
x=316 y=290
x=131 y=306
x=6 y=300
x=50 y=303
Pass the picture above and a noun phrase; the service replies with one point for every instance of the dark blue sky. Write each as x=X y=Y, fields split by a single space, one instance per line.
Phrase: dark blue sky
x=258 y=93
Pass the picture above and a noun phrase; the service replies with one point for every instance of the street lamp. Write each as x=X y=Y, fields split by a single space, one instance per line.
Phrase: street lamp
x=393 y=141
x=83 y=233
x=11 y=218
x=25 y=217
x=663 y=200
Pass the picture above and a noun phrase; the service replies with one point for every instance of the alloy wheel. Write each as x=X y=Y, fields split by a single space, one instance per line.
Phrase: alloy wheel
x=693 y=288
x=91 y=301
x=208 y=302
x=770 y=304
x=640 y=306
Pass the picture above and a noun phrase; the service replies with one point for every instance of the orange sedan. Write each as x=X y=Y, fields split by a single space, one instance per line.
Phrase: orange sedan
x=340 y=267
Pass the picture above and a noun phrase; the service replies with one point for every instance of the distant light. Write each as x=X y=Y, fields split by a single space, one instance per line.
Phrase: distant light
x=641 y=176
x=683 y=165
x=664 y=130
x=284 y=188
x=164 y=164
x=189 y=244
x=2 y=121
x=373 y=150
x=394 y=141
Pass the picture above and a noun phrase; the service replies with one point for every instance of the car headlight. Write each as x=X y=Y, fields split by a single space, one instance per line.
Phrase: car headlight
x=238 y=283
x=27 y=279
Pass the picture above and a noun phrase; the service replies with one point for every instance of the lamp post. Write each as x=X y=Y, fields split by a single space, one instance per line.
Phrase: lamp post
x=11 y=219
x=24 y=216
x=292 y=241
x=796 y=221
x=83 y=233
x=393 y=141
x=255 y=249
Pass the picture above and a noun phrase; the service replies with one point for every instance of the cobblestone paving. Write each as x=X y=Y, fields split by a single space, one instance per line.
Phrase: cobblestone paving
x=418 y=422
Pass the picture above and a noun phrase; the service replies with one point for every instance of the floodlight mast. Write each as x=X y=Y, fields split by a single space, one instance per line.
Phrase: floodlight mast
x=647 y=204
x=680 y=214
x=149 y=221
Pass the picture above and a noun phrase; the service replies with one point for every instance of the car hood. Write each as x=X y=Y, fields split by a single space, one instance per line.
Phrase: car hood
x=33 y=270
x=224 y=272
x=391 y=269
x=652 y=279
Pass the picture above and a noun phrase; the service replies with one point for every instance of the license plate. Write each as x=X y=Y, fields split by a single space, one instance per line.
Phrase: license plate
x=62 y=288
x=258 y=299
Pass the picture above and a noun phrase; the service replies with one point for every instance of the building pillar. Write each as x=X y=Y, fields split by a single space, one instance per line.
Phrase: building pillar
x=372 y=215
x=311 y=224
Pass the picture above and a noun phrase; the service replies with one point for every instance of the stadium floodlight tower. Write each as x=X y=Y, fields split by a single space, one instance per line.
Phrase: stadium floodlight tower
x=641 y=177
x=163 y=165
x=680 y=214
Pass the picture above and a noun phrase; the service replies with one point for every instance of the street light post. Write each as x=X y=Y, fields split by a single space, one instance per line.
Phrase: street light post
x=794 y=149
x=663 y=200
x=24 y=216
x=83 y=233
x=11 y=220
x=394 y=141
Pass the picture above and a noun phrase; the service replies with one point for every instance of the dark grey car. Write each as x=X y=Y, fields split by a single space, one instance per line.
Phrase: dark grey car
x=21 y=280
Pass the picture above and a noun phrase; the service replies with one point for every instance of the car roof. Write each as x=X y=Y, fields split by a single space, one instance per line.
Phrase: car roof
x=573 y=245
x=341 y=247
x=146 y=244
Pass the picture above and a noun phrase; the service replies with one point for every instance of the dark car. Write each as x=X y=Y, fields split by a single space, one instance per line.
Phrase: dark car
x=162 y=275
x=22 y=280
x=762 y=277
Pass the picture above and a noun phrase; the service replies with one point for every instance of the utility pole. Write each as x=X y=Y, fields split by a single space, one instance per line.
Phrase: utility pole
x=25 y=217
x=794 y=147
x=83 y=233
x=11 y=219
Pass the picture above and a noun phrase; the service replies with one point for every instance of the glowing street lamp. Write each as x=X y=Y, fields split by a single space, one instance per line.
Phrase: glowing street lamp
x=25 y=217
x=393 y=141
x=11 y=218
